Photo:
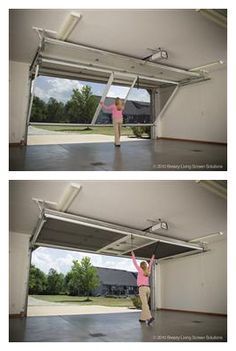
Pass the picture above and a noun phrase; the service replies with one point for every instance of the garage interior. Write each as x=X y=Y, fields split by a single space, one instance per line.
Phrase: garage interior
x=180 y=57
x=185 y=220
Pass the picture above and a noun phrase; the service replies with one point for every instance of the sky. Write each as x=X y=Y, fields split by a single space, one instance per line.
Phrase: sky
x=61 y=89
x=61 y=260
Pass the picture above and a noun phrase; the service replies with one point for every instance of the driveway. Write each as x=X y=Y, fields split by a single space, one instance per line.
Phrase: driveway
x=38 y=307
x=37 y=136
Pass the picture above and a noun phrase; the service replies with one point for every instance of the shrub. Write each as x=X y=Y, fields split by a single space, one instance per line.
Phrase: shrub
x=140 y=131
x=136 y=302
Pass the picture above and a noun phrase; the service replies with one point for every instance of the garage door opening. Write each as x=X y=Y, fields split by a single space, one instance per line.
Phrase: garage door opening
x=101 y=241
x=60 y=59
x=57 y=285
x=63 y=112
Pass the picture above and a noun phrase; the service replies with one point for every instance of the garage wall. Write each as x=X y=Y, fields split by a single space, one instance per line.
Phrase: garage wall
x=18 y=271
x=198 y=112
x=18 y=100
x=196 y=283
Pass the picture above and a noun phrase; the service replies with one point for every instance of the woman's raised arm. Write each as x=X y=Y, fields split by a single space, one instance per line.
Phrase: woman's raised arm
x=151 y=263
x=134 y=260
x=106 y=108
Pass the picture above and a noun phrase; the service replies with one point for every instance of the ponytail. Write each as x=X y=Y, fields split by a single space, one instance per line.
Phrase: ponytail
x=144 y=267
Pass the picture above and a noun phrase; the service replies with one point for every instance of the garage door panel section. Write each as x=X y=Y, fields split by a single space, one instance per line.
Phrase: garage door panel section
x=66 y=230
x=60 y=70
x=96 y=58
x=162 y=250
x=67 y=234
x=123 y=246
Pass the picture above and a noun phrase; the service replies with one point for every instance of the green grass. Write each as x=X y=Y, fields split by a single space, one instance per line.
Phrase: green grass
x=83 y=130
x=81 y=300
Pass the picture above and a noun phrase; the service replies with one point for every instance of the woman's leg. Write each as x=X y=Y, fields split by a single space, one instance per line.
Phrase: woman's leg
x=144 y=293
x=115 y=126
x=120 y=124
x=117 y=130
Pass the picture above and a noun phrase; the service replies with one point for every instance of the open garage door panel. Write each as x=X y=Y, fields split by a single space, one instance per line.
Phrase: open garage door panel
x=66 y=231
x=69 y=60
x=68 y=55
x=59 y=233
x=162 y=250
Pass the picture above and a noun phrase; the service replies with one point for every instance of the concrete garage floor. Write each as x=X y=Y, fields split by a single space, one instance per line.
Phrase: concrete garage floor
x=168 y=326
x=145 y=155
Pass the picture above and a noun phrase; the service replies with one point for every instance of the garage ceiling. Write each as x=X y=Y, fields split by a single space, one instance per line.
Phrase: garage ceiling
x=191 y=210
x=190 y=38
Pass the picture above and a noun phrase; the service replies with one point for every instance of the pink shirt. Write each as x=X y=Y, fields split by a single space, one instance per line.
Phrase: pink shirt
x=113 y=109
x=142 y=279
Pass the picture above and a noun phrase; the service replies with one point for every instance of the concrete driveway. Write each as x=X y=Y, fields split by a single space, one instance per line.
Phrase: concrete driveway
x=38 y=307
x=37 y=136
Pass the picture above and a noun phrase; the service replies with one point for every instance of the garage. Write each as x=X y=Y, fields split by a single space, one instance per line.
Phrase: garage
x=184 y=222
x=172 y=81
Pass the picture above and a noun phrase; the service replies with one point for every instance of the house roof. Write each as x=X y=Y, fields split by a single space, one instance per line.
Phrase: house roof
x=109 y=276
x=133 y=108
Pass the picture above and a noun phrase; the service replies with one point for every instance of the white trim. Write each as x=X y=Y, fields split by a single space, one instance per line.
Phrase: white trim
x=203 y=238
x=37 y=230
x=153 y=286
x=131 y=87
x=30 y=104
x=216 y=63
x=89 y=124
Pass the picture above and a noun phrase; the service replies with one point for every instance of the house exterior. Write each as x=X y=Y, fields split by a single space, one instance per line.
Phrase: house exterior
x=134 y=112
x=116 y=282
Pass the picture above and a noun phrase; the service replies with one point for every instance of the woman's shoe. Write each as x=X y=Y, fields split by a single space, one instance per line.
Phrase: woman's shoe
x=149 y=321
x=117 y=145
x=141 y=321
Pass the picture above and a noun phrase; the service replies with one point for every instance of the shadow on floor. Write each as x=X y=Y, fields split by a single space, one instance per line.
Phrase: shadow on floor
x=120 y=327
x=145 y=155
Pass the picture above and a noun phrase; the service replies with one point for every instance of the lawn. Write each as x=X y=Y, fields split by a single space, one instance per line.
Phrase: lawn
x=94 y=130
x=80 y=300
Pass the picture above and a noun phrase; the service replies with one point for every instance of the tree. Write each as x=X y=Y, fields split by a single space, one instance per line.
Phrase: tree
x=82 y=278
x=37 y=281
x=39 y=110
x=81 y=106
x=55 y=282
x=55 y=111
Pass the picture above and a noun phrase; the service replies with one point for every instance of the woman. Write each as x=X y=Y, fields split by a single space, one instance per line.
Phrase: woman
x=117 y=117
x=144 y=271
